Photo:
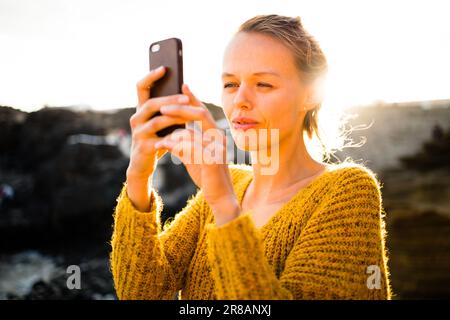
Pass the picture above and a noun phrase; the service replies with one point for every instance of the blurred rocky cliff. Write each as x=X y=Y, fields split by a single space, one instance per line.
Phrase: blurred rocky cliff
x=62 y=188
x=65 y=168
x=408 y=147
x=60 y=173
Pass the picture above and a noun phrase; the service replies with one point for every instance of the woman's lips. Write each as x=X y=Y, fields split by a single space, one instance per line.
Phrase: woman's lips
x=244 y=126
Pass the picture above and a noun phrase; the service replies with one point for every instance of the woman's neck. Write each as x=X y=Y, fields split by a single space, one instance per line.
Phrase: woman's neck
x=295 y=166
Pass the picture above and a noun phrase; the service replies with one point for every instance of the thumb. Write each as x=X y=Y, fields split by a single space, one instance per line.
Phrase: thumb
x=192 y=98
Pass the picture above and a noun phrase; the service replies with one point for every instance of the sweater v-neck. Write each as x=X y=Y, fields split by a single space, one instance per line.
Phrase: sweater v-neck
x=278 y=213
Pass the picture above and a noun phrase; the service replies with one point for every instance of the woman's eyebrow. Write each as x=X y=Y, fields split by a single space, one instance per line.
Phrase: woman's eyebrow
x=225 y=74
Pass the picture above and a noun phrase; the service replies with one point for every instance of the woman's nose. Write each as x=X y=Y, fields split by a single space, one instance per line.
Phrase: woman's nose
x=241 y=99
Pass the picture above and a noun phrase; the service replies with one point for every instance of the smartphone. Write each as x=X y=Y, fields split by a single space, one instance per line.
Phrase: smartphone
x=167 y=53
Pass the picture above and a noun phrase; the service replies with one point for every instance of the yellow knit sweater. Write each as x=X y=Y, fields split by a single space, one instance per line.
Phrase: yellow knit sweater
x=326 y=242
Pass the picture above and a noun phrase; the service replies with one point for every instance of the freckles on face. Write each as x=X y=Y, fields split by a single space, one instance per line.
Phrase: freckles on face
x=260 y=80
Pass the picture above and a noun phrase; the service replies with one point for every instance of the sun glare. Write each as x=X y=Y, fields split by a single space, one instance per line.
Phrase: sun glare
x=92 y=53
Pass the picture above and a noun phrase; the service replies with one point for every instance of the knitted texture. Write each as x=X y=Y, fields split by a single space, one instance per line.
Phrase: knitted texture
x=326 y=242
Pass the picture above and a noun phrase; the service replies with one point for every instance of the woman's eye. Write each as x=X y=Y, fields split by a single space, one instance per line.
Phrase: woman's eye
x=229 y=85
x=259 y=84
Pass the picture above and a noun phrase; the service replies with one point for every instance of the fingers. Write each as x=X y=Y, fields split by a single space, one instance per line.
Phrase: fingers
x=192 y=147
x=182 y=144
x=149 y=107
x=191 y=113
x=178 y=136
x=149 y=128
x=143 y=86
x=192 y=99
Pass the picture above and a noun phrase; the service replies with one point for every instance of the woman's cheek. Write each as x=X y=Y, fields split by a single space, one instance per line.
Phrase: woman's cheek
x=227 y=105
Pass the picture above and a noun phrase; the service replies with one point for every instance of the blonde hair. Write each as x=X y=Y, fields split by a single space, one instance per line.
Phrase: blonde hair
x=309 y=59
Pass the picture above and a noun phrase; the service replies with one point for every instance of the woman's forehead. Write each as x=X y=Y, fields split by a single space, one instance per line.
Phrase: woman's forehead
x=257 y=53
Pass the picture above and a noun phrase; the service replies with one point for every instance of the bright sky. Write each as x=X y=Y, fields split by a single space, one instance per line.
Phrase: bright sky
x=92 y=52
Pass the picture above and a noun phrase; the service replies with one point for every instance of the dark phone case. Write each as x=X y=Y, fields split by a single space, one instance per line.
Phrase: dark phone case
x=170 y=55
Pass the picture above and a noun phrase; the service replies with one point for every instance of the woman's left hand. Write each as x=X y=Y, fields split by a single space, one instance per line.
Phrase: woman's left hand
x=204 y=154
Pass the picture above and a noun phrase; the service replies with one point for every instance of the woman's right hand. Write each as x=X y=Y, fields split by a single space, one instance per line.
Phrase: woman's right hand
x=143 y=155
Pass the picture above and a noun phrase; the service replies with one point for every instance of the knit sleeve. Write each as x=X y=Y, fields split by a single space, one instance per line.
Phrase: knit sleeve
x=148 y=260
x=339 y=254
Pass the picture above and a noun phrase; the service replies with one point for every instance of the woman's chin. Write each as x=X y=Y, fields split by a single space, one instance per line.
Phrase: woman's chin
x=250 y=142
x=250 y=148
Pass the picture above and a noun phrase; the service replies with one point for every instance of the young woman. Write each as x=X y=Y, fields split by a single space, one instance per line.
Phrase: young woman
x=304 y=230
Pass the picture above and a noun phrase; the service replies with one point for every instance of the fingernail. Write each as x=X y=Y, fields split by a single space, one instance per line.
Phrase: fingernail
x=159 y=68
x=183 y=99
